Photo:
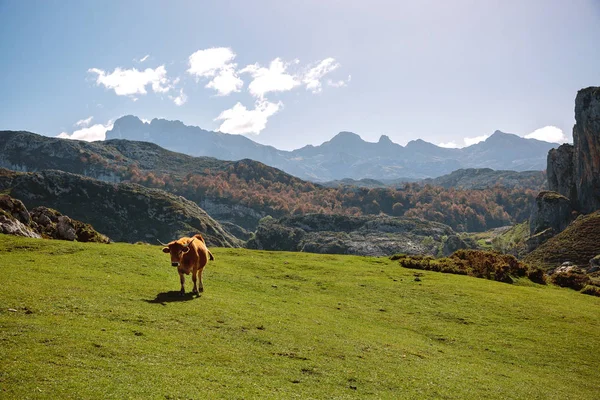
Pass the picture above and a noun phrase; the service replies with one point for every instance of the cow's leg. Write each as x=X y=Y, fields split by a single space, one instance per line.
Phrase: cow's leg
x=201 y=285
x=195 y=290
x=182 y=280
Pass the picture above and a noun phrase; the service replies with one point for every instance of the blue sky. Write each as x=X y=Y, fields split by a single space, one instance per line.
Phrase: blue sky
x=291 y=73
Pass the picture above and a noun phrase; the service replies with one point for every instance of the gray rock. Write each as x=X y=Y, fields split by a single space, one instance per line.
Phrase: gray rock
x=560 y=172
x=452 y=244
x=12 y=226
x=586 y=140
x=65 y=229
x=551 y=210
x=336 y=234
x=594 y=264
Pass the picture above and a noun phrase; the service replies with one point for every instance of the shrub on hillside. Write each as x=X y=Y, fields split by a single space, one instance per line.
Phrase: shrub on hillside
x=571 y=279
x=591 y=290
x=480 y=264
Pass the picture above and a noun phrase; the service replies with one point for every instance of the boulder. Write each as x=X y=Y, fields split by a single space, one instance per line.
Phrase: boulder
x=452 y=244
x=594 y=264
x=551 y=210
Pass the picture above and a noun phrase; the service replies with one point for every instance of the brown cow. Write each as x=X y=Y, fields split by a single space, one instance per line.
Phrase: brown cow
x=189 y=255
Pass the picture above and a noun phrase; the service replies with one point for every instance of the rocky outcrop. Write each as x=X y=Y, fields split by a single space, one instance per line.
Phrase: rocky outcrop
x=14 y=218
x=452 y=244
x=586 y=140
x=551 y=210
x=336 y=234
x=52 y=224
x=45 y=222
x=573 y=172
x=125 y=212
x=561 y=172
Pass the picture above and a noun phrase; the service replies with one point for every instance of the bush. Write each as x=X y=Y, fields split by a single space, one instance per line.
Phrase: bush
x=536 y=275
x=571 y=280
x=591 y=290
x=477 y=263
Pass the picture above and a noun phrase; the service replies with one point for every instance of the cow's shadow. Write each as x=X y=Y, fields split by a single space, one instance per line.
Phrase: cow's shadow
x=172 y=296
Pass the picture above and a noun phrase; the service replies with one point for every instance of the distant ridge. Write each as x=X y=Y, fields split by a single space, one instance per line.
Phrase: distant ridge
x=346 y=155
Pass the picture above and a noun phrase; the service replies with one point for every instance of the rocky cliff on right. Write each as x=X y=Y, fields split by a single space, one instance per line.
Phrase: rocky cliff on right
x=573 y=174
x=574 y=170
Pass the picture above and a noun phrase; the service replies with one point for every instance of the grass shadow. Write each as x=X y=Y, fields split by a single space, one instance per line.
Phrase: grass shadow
x=172 y=296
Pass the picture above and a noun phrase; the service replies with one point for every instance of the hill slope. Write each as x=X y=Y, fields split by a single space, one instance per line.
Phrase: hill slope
x=125 y=212
x=578 y=243
x=99 y=321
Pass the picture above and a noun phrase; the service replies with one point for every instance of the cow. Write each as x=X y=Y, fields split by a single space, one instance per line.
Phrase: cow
x=189 y=255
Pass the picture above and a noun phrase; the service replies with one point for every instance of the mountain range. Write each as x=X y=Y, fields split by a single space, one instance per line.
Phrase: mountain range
x=346 y=155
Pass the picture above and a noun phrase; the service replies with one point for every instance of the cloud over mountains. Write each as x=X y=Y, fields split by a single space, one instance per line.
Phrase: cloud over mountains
x=215 y=68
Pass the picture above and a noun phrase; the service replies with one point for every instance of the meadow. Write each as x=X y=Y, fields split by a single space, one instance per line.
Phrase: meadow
x=104 y=321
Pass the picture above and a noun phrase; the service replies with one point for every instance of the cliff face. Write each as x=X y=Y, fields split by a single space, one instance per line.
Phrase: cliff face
x=561 y=172
x=574 y=170
x=586 y=140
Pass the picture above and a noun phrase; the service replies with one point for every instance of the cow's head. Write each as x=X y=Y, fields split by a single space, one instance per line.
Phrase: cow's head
x=177 y=248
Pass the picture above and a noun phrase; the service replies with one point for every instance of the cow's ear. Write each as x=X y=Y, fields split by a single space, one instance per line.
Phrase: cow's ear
x=166 y=250
x=186 y=249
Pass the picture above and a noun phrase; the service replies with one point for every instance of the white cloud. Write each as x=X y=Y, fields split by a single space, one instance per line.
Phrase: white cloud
x=144 y=58
x=82 y=123
x=179 y=100
x=340 y=83
x=207 y=63
x=240 y=120
x=312 y=79
x=271 y=79
x=89 y=133
x=227 y=81
x=216 y=63
x=548 y=134
x=449 y=145
x=475 y=140
x=130 y=82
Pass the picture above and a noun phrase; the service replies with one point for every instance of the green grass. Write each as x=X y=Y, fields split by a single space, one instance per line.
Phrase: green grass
x=98 y=321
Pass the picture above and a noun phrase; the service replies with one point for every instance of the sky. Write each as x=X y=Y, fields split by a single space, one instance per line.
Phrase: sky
x=291 y=73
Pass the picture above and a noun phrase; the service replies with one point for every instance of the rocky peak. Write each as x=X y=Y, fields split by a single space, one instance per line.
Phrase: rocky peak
x=385 y=139
x=586 y=142
x=574 y=170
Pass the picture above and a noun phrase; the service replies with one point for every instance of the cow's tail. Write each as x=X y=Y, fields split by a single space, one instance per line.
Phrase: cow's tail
x=210 y=255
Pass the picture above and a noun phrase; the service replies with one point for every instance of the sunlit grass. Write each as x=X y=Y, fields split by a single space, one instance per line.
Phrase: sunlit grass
x=104 y=321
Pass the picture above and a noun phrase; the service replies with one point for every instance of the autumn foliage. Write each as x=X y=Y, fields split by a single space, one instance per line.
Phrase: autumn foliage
x=275 y=193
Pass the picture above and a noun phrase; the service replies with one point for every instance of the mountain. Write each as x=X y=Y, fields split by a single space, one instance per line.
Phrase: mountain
x=243 y=192
x=124 y=212
x=346 y=155
x=482 y=178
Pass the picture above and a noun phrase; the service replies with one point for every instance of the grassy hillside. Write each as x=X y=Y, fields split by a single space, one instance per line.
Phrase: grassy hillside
x=578 y=243
x=102 y=321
